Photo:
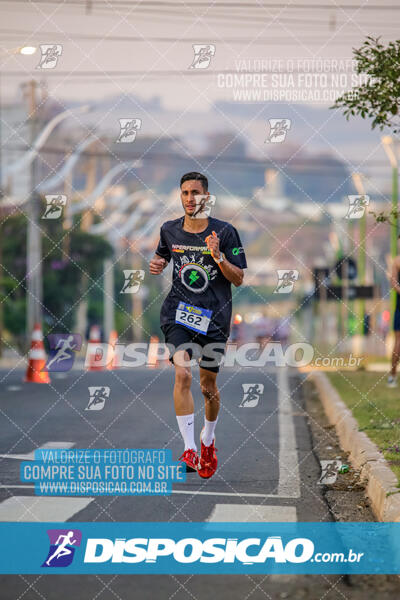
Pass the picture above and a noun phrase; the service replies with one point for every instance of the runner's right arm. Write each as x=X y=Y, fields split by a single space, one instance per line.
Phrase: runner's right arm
x=162 y=256
x=157 y=265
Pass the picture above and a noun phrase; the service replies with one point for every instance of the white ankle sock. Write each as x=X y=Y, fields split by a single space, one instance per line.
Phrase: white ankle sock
x=186 y=427
x=208 y=431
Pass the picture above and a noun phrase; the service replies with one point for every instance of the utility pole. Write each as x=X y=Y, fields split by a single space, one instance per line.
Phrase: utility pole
x=137 y=301
x=109 y=314
x=390 y=147
x=34 y=296
x=67 y=221
x=109 y=319
x=86 y=222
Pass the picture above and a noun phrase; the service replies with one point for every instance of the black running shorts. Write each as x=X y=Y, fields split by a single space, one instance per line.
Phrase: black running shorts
x=212 y=350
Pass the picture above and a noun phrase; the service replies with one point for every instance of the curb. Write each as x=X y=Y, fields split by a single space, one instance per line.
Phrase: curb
x=364 y=455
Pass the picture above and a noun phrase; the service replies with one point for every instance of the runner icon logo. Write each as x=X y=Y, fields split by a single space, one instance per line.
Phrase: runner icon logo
x=133 y=279
x=357 y=206
x=204 y=203
x=55 y=204
x=128 y=130
x=203 y=54
x=62 y=547
x=278 y=129
x=329 y=471
x=98 y=396
x=62 y=350
x=286 y=281
x=251 y=394
x=50 y=56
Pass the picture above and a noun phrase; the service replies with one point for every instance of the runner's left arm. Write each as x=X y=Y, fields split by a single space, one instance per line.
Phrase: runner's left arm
x=234 y=257
x=232 y=273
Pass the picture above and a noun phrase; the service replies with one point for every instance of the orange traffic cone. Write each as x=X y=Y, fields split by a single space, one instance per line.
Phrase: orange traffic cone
x=112 y=359
x=94 y=357
x=152 y=360
x=36 y=371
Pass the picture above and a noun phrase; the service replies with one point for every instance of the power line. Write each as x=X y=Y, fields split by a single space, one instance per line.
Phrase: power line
x=209 y=5
x=158 y=39
x=313 y=163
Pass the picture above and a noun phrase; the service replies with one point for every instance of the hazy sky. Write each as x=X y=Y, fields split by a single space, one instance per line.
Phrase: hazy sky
x=145 y=48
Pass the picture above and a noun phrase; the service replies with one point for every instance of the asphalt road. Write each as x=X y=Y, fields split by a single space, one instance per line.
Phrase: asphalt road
x=267 y=471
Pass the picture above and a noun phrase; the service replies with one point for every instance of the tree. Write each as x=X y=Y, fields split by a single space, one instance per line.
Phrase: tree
x=378 y=97
x=62 y=274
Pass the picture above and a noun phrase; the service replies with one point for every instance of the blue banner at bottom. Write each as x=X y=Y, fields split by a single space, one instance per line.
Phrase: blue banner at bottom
x=213 y=548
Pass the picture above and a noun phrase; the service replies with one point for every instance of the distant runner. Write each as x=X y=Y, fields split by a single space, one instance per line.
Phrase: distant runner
x=395 y=282
x=207 y=258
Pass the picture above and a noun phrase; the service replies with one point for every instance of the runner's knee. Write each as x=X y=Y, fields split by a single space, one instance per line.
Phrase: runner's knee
x=209 y=391
x=183 y=377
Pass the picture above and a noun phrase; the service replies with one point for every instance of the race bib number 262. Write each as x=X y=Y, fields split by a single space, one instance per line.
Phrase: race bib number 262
x=193 y=317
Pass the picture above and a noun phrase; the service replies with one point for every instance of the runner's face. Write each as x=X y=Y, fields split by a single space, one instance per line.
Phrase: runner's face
x=189 y=190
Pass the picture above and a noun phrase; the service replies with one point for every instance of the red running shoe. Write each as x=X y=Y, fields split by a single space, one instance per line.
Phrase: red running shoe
x=208 y=460
x=191 y=460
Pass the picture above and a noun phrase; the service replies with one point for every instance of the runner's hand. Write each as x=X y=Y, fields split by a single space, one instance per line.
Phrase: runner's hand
x=212 y=242
x=157 y=265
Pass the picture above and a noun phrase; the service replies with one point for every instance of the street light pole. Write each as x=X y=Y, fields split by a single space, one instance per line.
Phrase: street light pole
x=34 y=300
x=359 y=185
x=25 y=50
x=388 y=145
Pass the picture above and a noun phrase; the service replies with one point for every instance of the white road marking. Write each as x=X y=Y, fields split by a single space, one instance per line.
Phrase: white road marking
x=289 y=476
x=250 y=513
x=31 y=455
x=188 y=492
x=41 y=508
x=28 y=486
x=236 y=494
x=13 y=388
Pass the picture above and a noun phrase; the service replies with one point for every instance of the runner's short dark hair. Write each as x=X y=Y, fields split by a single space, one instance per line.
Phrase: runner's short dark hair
x=196 y=177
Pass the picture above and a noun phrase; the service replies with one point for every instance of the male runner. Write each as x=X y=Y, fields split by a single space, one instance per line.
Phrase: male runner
x=207 y=258
x=395 y=282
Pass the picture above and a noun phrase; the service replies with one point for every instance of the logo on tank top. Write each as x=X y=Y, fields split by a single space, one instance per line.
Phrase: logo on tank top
x=195 y=275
